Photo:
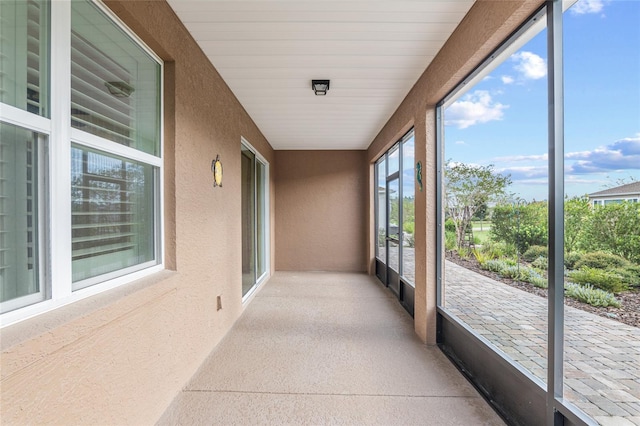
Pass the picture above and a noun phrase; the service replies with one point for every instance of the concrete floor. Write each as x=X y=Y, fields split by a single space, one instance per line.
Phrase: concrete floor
x=327 y=348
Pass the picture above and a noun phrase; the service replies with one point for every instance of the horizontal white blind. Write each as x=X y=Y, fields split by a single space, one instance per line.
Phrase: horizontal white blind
x=94 y=108
x=34 y=57
x=112 y=213
x=18 y=212
x=23 y=55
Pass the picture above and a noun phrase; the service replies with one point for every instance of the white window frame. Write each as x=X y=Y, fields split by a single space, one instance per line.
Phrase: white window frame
x=55 y=244
x=266 y=220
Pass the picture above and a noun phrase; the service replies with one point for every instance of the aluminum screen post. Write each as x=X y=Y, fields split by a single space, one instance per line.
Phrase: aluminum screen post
x=556 y=212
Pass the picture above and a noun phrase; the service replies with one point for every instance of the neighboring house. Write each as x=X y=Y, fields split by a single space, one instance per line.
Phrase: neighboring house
x=627 y=192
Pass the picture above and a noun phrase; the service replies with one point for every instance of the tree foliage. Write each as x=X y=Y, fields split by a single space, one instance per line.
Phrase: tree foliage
x=467 y=188
x=522 y=225
x=613 y=228
x=576 y=213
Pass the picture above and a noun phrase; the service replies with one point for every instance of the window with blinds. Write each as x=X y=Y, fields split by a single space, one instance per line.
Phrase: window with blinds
x=115 y=95
x=111 y=84
x=115 y=84
x=112 y=213
x=24 y=55
x=19 y=220
x=93 y=108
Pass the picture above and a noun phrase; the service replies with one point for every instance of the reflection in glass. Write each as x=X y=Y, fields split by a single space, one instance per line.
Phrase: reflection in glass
x=19 y=231
x=394 y=160
x=260 y=217
x=394 y=223
x=248 y=181
x=24 y=47
x=115 y=84
x=408 y=210
x=112 y=214
x=381 y=217
x=394 y=256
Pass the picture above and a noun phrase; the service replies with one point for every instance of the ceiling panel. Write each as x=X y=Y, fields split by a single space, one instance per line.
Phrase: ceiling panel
x=269 y=51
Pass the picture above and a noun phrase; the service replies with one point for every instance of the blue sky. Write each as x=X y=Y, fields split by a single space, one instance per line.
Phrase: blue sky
x=502 y=120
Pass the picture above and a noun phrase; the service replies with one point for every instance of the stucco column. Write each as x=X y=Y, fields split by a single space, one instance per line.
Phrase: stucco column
x=420 y=317
x=425 y=228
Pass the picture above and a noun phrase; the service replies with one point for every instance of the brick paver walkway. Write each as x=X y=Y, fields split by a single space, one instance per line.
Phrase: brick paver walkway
x=602 y=356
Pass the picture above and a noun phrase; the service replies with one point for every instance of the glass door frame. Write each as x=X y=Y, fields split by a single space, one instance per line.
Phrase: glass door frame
x=391 y=278
x=261 y=216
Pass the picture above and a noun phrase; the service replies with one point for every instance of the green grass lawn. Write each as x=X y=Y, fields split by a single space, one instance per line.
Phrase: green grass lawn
x=483 y=225
x=481 y=235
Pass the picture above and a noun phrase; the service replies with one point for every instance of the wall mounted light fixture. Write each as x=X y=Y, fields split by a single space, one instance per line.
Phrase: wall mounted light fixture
x=320 y=87
x=216 y=170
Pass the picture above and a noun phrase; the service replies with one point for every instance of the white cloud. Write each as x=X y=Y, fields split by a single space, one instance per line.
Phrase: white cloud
x=528 y=173
x=460 y=143
x=571 y=179
x=474 y=108
x=507 y=79
x=514 y=158
x=623 y=154
x=530 y=65
x=620 y=156
x=583 y=7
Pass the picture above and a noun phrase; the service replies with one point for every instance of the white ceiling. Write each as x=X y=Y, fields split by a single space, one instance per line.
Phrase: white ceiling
x=269 y=51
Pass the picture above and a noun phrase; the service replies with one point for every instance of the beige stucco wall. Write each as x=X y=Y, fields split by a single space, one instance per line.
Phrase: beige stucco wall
x=486 y=25
x=120 y=357
x=321 y=214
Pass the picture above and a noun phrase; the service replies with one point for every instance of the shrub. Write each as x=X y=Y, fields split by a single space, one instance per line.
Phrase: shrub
x=598 y=278
x=535 y=252
x=408 y=227
x=529 y=274
x=576 y=213
x=480 y=256
x=493 y=250
x=493 y=265
x=510 y=272
x=410 y=240
x=541 y=263
x=540 y=282
x=630 y=275
x=521 y=273
x=613 y=228
x=510 y=250
x=449 y=240
x=510 y=261
x=570 y=259
x=590 y=295
x=450 y=225
x=601 y=260
x=464 y=252
x=522 y=225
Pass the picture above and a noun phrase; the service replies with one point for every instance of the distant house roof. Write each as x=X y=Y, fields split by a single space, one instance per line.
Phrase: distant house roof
x=628 y=189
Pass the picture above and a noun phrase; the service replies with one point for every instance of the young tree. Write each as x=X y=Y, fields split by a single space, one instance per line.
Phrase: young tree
x=481 y=214
x=467 y=188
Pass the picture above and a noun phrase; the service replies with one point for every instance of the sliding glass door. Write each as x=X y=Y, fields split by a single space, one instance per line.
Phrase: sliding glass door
x=254 y=218
x=395 y=261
